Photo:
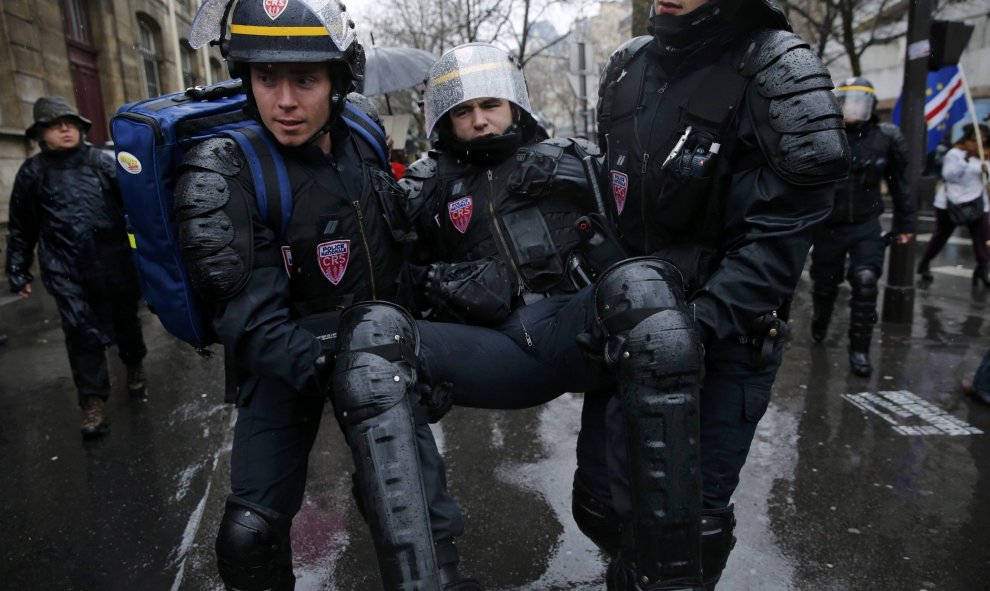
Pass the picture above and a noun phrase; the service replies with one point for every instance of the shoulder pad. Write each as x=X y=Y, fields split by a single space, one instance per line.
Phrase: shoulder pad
x=795 y=113
x=622 y=56
x=366 y=106
x=416 y=173
x=892 y=131
x=219 y=154
x=422 y=169
x=577 y=146
x=199 y=192
x=783 y=64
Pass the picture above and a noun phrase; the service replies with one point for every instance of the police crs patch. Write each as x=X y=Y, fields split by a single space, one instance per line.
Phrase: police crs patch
x=460 y=213
x=333 y=257
x=620 y=188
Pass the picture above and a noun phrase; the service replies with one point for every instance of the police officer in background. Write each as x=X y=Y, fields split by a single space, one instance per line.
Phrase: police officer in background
x=504 y=242
x=723 y=147
x=853 y=228
x=276 y=298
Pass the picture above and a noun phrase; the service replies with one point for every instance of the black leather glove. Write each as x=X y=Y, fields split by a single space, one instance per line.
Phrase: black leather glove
x=477 y=292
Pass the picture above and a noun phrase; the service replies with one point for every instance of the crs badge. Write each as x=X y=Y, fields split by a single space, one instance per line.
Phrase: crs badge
x=460 y=213
x=333 y=257
x=275 y=8
x=620 y=188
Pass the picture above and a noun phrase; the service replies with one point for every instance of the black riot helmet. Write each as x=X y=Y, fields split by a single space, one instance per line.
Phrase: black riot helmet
x=858 y=100
x=677 y=31
x=283 y=31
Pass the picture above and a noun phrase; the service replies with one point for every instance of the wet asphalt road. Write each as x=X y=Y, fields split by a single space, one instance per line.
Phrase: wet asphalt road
x=838 y=493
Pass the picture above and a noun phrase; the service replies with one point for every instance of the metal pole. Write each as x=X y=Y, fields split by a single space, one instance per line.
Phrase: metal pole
x=898 y=297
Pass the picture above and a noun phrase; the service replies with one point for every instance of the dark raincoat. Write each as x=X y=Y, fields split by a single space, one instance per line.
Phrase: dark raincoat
x=68 y=204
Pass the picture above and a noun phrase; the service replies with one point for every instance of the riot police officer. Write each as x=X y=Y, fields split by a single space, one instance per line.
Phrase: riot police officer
x=723 y=147
x=503 y=242
x=853 y=231
x=276 y=297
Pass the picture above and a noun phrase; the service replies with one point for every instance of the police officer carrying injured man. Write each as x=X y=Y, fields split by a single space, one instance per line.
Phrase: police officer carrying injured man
x=498 y=216
x=723 y=148
x=879 y=152
x=66 y=202
x=273 y=297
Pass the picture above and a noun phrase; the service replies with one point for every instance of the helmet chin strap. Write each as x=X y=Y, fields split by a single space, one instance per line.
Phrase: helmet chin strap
x=336 y=104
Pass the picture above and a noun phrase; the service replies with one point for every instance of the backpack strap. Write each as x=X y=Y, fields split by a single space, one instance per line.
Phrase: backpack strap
x=369 y=131
x=271 y=181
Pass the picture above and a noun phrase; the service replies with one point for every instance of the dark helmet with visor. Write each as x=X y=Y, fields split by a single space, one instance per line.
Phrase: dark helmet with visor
x=282 y=31
x=857 y=99
x=468 y=72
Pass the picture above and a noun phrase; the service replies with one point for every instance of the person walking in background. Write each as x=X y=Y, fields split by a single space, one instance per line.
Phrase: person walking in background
x=852 y=231
x=962 y=201
x=65 y=200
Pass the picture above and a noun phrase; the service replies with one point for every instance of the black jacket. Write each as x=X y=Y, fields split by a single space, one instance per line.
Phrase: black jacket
x=736 y=208
x=879 y=152
x=340 y=247
x=67 y=203
x=515 y=218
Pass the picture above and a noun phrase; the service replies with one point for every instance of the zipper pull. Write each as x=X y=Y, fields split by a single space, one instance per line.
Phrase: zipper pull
x=489 y=175
x=646 y=160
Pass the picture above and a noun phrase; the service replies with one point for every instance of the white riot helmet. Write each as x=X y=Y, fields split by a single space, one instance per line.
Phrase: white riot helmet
x=472 y=71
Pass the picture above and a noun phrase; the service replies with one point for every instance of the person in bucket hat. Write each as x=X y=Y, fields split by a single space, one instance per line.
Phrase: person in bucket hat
x=65 y=201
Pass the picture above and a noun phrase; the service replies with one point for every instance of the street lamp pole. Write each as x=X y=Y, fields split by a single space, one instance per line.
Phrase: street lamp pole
x=898 y=300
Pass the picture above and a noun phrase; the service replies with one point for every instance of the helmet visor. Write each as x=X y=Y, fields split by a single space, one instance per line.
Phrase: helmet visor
x=472 y=71
x=208 y=23
x=857 y=102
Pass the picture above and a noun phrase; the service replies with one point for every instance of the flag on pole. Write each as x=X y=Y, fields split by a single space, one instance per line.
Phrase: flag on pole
x=945 y=104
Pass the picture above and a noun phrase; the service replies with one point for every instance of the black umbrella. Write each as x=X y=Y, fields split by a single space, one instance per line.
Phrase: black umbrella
x=394 y=68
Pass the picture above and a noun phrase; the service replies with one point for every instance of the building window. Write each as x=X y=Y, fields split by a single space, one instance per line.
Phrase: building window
x=76 y=22
x=186 y=55
x=148 y=52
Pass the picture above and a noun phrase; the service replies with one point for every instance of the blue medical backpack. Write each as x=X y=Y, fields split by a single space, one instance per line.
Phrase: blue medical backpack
x=151 y=138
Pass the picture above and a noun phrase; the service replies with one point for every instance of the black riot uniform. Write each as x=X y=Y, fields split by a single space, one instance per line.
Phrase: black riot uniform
x=853 y=230
x=66 y=203
x=723 y=146
x=277 y=297
x=503 y=232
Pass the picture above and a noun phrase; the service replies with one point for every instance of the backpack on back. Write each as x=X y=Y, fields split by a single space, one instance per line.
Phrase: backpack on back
x=151 y=138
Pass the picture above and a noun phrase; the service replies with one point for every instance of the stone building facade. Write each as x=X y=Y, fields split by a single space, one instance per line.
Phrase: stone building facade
x=99 y=54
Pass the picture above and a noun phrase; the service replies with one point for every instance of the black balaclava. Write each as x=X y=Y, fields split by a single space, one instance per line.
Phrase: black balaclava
x=489 y=150
x=716 y=20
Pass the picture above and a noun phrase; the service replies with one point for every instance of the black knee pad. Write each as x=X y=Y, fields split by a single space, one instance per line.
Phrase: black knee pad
x=596 y=519
x=717 y=541
x=252 y=548
x=377 y=345
x=863 y=283
x=629 y=293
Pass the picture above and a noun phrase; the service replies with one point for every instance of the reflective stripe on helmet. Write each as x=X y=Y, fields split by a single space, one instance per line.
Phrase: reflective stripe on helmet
x=264 y=31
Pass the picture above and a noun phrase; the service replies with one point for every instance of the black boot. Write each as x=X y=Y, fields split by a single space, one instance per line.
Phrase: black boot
x=859 y=363
x=450 y=578
x=925 y=272
x=822 y=304
x=819 y=327
x=981 y=274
